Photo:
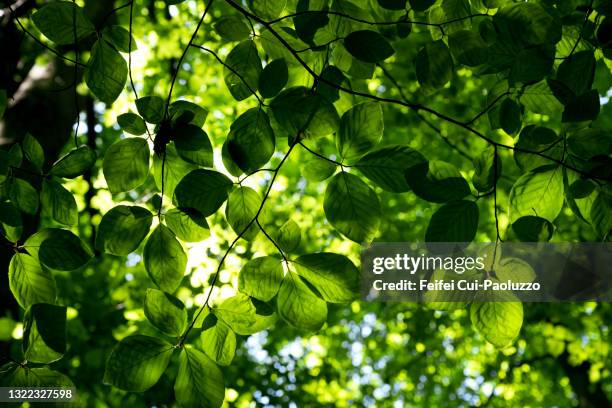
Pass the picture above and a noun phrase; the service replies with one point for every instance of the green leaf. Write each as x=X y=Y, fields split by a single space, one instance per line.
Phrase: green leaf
x=11 y=225
x=537 y=139
x=238 y=312
x=434 y=65
x=33 y=151
x=538 y=98
x=601 y=215
x=218 y=340
x=527 y=24
x=58 y=203
x=193 y=389
x=44 y=333
x=106 y=72
x=132 y=123
x=386 y=166
x=299 y=306
x=232 y=28
x=588 y=143
x=437 y=181
x=242 y=206
x=368 y=46
x=317 y=169
x=164 y=259
x=510 y=116
x=188 y=225
x=498 y=318
x=307 y=23
x=151 y=108
x=29 y=282
x=334 y=276
x=539 y=193
x=361 y=128
x=242 y=69
x=137 y=362
x=193 y=145
x=231 y=167
x=15 y=156
x=582 y=108
x=175 y=168
x=267 y=9
x=165 y=312
x=578 y=71
x=261 y=277
x=22 y=376
x=532 y=64
x=126 y=164
x=23 y=195
x=273 y=78
x=484 y=173
x=179 y=109
x=75 y=163
x=202 y=190
x=63 y=251
x=251 y=141
x=532 y=229
x=352 y=207
x=122 y=229
x=59 y=20
x=456 y=221
x=514 y=270
x=468 y=48
x=288 y=236
x=119 y=38
x=300 y=112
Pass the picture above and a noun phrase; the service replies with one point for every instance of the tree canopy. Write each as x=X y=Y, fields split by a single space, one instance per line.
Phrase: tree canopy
x=185 y=187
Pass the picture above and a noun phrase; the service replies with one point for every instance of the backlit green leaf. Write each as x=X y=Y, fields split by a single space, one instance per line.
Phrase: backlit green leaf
x=361 y=128
x=126 y=164
x=29 y=282
x=242 y=206
x=122 y=229
x=261 y=277
x=192 y=389
x=251 y=141
x=106 y=72
x=334 y=276
x=75 y=163
x=165 y=312
x=164 y=259
x=242 y=70
x=57 y=21
x=299 y=306
x=136 y=363
x=352 y=207
x=202 y=190
x=44 y=333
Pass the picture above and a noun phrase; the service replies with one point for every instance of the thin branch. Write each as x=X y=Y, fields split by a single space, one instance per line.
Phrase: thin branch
x=436 y=130
x=42 y=44
x=278 y=248
x=404 y=19
x=229 y=249
x=486 y=109
x=180 y=61
x=319 y=155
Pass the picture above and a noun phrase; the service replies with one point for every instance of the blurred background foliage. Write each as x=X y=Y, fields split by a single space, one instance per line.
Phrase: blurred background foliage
x=368 y=354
